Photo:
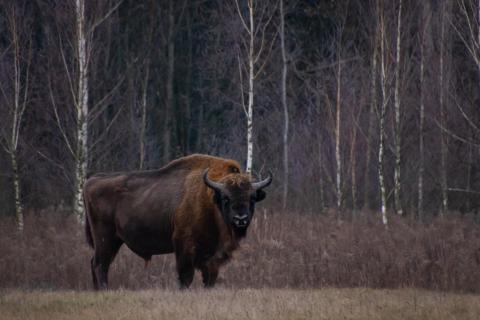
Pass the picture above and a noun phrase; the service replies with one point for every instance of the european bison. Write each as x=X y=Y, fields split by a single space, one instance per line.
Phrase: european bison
x=197 y=206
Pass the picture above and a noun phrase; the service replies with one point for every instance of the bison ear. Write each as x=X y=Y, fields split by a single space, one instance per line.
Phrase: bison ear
x=260 y=195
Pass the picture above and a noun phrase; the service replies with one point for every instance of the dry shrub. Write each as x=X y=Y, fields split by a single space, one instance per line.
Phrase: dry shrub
x=281 y=250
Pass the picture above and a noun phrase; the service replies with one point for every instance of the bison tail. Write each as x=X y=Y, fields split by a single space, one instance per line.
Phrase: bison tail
x=88 y=231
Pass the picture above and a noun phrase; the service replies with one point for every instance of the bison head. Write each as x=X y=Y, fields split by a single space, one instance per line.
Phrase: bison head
x=235 y=197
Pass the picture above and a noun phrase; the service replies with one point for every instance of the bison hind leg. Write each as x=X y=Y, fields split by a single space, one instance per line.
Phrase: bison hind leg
x=94 y=276
x=105 y=252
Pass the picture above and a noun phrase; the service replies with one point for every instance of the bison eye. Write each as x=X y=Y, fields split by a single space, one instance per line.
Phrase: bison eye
x=226 y=201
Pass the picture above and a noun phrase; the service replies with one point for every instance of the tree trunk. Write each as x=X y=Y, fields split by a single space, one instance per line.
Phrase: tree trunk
x=188 y=89
x=443 y=138
x=373 y=108
x=421 y=130
x=353 y=162
x=143 y=115
x=81 y=156
x=425 y=31
x=170 y=79
x=338 y=159
x=18 y=109
x=251 y=76
x=398 y=134
x=284 y=104
x=17 y=191
x=381 y=145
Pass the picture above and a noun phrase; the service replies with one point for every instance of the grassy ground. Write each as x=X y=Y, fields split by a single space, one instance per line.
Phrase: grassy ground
x=301 y=251
x=239 y=304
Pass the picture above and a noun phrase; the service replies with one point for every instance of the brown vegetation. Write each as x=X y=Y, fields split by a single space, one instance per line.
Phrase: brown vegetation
x=240 y=304
x=280 y=251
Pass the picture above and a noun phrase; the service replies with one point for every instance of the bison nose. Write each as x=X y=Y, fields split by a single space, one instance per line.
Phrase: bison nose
x=241 y=221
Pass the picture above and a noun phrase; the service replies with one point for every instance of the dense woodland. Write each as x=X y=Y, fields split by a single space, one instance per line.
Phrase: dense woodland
x=369 y=106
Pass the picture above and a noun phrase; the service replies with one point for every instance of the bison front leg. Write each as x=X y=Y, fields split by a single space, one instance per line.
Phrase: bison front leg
x=185 y=267
x=209 y=274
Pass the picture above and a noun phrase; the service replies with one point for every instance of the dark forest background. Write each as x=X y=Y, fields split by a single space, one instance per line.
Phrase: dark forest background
x=168 y=77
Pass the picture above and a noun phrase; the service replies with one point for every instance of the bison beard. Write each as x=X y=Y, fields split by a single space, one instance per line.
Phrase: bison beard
x=197 y=207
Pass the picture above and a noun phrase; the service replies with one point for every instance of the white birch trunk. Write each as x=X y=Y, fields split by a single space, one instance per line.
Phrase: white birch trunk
x=143 y=116
x=421 y=129
x=353 y=166
x=284 y=103
x=381 y=145
x=425 y=26
x=81 y=157
x=398 y=135
x=320 y=182
x=18 y=110
x=19 y=103
x=373 y=107
x=17 y=192
x=443 y=147
x=469 y=175
x=251 y=76
x=338 y=159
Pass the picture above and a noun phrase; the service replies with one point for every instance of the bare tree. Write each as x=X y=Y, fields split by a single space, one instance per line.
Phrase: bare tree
x=425 y=30
x=338 y=112
x=16 y=95
x=168 y=114
x=256 y=59
x=398 y=133
x=383 y=107
x=81 y=106
x=443 y=137
x=372 y=110
x=144 y=94
x=284 y=104
x=78 y=78
x=470 y=10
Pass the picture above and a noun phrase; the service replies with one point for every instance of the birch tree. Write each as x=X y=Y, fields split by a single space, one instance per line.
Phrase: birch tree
x=284 y=104
x=443 y=137
x=81 y=106
x=383 y=107
x=144 y=92
x=15 y=96
x=168 y=114
x=425 y=30
x=398 y=133
x=256 y=58
x=372 y=110
x=78 y=78
x=338 y=112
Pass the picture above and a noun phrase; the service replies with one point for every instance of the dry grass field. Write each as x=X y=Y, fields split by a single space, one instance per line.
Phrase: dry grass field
x=298 y=266
x=275 y=304
x=300 y=251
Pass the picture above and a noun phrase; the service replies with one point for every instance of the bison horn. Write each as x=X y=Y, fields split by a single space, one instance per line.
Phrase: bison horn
x=264 y=183
x=212 y=184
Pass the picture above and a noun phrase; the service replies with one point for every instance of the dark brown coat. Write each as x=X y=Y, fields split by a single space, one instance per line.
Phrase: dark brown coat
x=170 y=210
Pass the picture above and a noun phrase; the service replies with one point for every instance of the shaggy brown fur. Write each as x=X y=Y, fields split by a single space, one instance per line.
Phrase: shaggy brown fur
x=165 y=211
